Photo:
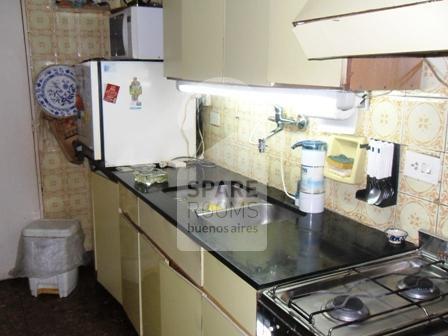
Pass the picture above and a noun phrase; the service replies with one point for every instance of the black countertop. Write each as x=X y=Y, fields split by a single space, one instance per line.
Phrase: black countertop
x=301 y=246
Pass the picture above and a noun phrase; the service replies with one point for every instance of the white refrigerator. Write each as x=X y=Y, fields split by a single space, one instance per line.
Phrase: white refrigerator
x=130 y=114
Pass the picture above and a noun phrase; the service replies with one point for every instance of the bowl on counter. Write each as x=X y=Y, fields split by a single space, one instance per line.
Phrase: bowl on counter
x=396 y=236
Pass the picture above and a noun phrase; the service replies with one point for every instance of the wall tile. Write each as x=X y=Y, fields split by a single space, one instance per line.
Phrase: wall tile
x=429 y=81
x=380 y=218
x=384 y=119
x=418 y=124
x=444 y=189
x=40 y=21
x=414 y=214
x=425 y=123
x=58 y=37
x=345 y=202
x=413 y=187
x=41 y=44
x=442 y=221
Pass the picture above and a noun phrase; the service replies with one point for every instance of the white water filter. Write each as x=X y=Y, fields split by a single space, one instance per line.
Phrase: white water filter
x=310 y=197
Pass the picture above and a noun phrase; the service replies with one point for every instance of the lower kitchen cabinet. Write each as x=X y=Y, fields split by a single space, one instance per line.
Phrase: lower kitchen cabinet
x=216 y=323
x=130 y=271
x=106 y=233
x=181 y=304
x=232 y=293
x=150 y=260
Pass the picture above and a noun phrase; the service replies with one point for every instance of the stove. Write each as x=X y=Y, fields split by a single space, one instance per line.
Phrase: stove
x=401 y=295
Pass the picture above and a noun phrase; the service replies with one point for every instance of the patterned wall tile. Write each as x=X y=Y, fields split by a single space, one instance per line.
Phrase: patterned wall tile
x=384 y=119
x=39 y=5
x=380 y=218
x=389 y=118
x=442 y=221
x=41 y=44
x=40 y=21
x=425 y=123
x=345 y=202
x=411 y=186
x=63 y=37
x=444 y=189
x=430 y=83
x=415 y=213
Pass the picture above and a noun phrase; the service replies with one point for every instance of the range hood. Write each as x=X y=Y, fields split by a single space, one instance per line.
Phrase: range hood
x=349 y=28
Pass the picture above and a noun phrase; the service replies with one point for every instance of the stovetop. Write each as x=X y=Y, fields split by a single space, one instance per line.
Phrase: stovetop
x=388 y=297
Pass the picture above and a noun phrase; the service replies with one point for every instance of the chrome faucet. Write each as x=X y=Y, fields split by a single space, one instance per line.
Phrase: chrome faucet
x=301 y=123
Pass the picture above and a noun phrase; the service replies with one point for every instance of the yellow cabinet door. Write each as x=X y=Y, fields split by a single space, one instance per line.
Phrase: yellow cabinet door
x=232 y=293
x=216 y=323
x=106 y=233
x=246 y=41
x=180 y=304
x=130 y=271
x=287 y=62
x=150 y=259
x=193 y=39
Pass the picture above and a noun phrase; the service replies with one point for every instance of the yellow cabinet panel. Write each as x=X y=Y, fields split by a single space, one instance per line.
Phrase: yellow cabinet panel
x=287 y=62
x=193 y=42
x=168 y=239
x=150 y=259
x=231 y=292
x=130 y=271
x=106 y=233
x=216 y=323
x=180 y=304
x=128 y=203
x=246 y=41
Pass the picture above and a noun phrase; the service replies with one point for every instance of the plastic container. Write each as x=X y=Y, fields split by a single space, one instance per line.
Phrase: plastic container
x=50 y=252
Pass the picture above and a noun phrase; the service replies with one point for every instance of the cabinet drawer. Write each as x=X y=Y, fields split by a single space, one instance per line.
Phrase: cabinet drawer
x=216 y=323
x=128 y=203
x=231 y=292
x=168 y=238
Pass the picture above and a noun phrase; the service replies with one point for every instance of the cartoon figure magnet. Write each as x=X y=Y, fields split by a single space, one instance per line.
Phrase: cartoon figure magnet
x=135 y=90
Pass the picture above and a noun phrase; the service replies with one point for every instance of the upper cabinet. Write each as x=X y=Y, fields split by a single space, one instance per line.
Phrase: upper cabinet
x=350 y=28
x=252 y=42
x=193 y=39
x=287 y=61
x=246 y=41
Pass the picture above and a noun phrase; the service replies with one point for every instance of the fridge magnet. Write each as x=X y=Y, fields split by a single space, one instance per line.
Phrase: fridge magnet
x=135 y=90
x=111 y=93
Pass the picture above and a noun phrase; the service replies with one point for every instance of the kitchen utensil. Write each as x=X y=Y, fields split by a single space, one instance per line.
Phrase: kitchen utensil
x=55 y=91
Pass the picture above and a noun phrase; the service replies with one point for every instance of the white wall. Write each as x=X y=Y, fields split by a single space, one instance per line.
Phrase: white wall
x=19 y=197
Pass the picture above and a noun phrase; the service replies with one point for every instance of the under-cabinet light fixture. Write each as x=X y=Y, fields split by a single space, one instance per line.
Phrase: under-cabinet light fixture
x=324 y=103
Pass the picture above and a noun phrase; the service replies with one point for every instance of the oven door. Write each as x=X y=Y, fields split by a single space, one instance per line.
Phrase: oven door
x=272 y=321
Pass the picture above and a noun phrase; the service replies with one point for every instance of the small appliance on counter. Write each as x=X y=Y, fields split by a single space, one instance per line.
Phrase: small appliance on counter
x=137 y=33
x=310 y=197
x=132 y=114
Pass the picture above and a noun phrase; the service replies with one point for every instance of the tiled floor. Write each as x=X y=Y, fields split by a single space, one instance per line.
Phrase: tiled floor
x=88 y=311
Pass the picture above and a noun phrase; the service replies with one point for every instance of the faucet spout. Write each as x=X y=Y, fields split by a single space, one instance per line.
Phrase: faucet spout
x=281 y=122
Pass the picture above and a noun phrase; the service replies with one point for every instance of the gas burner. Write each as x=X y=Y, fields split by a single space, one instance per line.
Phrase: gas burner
x=347 y=308
x=418 y=288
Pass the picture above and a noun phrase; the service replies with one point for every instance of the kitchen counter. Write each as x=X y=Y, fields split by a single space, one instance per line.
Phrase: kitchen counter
x=300 y=246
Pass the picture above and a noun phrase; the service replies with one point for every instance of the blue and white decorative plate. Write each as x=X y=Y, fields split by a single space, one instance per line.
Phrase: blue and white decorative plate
x=55 y=91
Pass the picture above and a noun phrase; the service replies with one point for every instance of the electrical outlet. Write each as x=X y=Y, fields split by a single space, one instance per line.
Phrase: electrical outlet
x=215 y=118
x=422 y=167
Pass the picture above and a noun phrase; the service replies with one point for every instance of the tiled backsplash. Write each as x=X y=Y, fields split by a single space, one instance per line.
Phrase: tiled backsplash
x=418 y=123
x=56 y=36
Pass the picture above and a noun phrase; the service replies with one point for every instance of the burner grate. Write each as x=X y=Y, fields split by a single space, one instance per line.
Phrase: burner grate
x=353 y=318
